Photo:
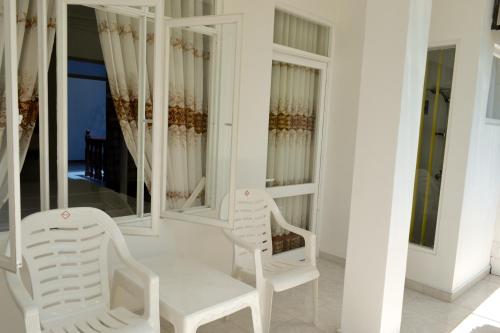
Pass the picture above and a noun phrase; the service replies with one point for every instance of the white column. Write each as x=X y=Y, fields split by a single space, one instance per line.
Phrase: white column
x=392 y=77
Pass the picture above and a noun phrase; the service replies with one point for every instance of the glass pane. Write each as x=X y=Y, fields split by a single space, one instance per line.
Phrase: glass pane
x=182 y=8
x=494 y=97
x=4 y=193
x=103 y=121
x=292 y=119
x=432 y=143
x=201 y=106
x=300 y=33
x=296 y=211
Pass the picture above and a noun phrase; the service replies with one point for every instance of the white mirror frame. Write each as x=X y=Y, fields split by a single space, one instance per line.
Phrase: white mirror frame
x=118 y=6
x=201 y=23
x=13 y=260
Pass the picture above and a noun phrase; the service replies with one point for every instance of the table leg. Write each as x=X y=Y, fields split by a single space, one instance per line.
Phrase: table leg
x=185 y=328
x=256 y=316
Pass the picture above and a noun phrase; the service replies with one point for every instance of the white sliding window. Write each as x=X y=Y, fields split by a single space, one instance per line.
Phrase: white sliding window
x=106 y=108
x=297 y=110
x=9 y=135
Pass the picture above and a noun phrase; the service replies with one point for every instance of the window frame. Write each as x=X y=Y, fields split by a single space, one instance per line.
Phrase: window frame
x=12 y=260
x=324 y=65
x=491 y=99
x=132 y=224
x=196 y=24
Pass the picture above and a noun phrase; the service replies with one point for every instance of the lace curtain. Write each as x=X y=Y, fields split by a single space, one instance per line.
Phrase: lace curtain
x=187 y=117
x=27 y=44
x=290 y=147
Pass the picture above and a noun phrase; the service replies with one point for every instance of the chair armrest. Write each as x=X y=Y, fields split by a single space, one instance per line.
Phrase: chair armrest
x=309 y=237
x=24 y=302
x=251 y=248
x=150 y=281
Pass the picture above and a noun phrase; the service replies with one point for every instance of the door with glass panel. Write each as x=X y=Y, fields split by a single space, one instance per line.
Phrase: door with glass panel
x=431 y=148
x=298 y=81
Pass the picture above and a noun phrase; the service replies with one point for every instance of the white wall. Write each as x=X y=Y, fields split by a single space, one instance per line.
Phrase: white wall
x=339 y=159
x=463 y=234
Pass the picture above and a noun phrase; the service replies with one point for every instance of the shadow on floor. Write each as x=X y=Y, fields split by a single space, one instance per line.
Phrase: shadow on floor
x=486 y=329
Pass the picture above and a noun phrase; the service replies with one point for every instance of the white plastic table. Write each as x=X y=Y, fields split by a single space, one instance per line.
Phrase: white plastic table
x=192 y=294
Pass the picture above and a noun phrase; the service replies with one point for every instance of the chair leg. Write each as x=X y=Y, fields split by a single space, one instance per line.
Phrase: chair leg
x=266 y=307
x=315 y=301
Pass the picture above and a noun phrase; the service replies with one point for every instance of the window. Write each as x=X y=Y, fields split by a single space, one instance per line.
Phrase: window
x=301 y=33
x=296 y=118
x=106 y=86
x=199 y=146
x=493 y=112
x=431 y=147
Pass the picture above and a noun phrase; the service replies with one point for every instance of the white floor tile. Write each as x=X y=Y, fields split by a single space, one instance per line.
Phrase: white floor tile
x=477 y=311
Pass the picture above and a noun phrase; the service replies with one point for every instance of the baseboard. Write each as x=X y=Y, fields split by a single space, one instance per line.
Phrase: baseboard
x=457 y=292
x=332 y=258
x=443 y=295
x=439 y=294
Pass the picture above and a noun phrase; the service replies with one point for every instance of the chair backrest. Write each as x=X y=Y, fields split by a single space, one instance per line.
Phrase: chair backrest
x=66 y=254
x=252 y=223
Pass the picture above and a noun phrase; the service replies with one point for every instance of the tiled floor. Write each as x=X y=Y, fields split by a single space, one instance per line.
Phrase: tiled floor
x=477 y=311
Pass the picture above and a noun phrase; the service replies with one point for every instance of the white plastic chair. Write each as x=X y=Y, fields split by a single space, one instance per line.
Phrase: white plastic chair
x=65 y=253
x=253 y=250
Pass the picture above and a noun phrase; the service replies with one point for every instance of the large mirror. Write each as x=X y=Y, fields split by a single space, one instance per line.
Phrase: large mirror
x=199 y=143
x=431 y=166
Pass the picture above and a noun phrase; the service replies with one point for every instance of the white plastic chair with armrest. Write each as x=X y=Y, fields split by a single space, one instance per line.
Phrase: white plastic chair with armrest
x=253 y=250
x=66 y=256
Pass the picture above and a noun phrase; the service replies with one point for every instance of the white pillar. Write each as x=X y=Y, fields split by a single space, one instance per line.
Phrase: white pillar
x=392 y=77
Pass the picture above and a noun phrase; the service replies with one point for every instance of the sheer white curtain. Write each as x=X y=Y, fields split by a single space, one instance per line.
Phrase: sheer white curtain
x=290 y=147
x=118 y=35
x=187 y=116
x=27 y=55
x=296 y=32
x=187 y=106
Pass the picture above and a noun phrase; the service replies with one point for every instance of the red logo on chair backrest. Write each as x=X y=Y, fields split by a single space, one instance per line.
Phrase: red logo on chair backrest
x=65 y=215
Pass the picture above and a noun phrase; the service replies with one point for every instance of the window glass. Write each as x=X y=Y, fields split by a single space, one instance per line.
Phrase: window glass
x=494 y=97
x=200 y=118
x=297 y=211
x=292 y=118
x=300 y=33
x=183 y=8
